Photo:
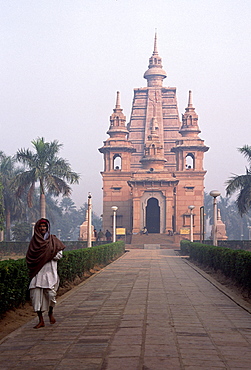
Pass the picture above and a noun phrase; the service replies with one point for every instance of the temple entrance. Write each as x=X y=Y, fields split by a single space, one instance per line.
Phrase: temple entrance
x=153 y=216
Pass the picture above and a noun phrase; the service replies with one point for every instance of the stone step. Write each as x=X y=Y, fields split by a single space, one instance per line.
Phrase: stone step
x=163 y=240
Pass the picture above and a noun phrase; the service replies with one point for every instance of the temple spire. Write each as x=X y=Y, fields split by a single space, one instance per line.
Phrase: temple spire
x=155 y=51
x=117 y=127
x=190 y=99
x=190 y=120
x=117 y=106
x=155 y=74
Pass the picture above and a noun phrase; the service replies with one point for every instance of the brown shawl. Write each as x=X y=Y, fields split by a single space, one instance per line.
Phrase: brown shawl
x=41 y=251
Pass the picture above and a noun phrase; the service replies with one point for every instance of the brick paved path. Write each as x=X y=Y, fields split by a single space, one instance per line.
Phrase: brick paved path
x=149 y=310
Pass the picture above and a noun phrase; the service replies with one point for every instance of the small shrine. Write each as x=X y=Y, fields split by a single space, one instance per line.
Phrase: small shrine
x=220 y=228
x=84 y=229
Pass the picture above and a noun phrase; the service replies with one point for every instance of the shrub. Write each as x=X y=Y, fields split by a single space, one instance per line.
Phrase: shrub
x=14 y=281
x=235 y=264
x=75 y=263
x=14 y=277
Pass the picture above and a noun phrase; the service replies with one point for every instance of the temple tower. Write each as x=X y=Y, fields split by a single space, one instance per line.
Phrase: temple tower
x=189 y=151
x=117 y=152
x=161 y=170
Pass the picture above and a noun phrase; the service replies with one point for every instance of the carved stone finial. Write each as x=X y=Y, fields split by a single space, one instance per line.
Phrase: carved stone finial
x=155 y=73
x=190 y=100
x=117 y=106
x=155 y=51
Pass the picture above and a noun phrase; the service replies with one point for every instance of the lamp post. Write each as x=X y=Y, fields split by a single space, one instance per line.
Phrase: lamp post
x=33 y=227
x=249 y=232
x=59 y=233
x=191 y=222
x=202 y=224
x=114 y=208
x=214 y=194
x=89 y=221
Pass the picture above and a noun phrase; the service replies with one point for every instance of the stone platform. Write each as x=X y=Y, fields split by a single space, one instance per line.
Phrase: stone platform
x=149 y=310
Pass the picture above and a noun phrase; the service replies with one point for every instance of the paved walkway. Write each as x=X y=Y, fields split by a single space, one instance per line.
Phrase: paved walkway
x=149 y=310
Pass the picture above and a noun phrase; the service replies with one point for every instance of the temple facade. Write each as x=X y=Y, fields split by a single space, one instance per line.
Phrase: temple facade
x=153 y=166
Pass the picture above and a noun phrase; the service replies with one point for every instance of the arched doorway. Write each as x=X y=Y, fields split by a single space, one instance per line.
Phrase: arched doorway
x=153 y=216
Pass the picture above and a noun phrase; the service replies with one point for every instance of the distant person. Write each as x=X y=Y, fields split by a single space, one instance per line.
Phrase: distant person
x=145 y=231
x=101 y=235
x=108 y=235
x=95 y=234
x=43 y=253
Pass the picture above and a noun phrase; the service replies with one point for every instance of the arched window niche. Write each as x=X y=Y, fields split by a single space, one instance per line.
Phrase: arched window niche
x=117 y=162
x=190 y=161
x=153 y=149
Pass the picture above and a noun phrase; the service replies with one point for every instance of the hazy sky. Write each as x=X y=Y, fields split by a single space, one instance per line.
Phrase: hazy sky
x=62 y=62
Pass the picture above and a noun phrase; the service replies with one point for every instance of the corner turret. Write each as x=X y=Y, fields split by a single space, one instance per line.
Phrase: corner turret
x=117 y=148
x=190 y=148
x=189 y=126
x=117 y=127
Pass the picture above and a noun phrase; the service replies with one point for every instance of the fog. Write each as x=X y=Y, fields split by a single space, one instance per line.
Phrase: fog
x=62 y=62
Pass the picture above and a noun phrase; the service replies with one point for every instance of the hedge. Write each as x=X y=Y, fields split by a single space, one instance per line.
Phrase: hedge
x=235 y=264
x=232 y=244
x=14 y=281
x=75 y=263
x=20 y=248
x=14 y=278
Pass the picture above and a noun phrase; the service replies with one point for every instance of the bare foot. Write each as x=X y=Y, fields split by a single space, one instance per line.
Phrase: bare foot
x=39 y=325
x=52 y=318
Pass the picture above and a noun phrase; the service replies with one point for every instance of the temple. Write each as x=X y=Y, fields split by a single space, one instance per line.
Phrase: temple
x=153 y=166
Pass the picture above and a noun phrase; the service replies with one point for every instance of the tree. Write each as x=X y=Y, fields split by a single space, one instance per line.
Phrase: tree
x=67 y=223
x=96 y=220
x=208 y=207
x=12 y=205
x=33 y=214
x=237 y=227
x=67 y=205
x=1 y=201
x=21 y=231
x=242 y=183
x=53 y=173
x=1 y=208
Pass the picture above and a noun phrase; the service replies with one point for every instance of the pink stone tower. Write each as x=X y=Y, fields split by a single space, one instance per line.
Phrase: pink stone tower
x=153 y=166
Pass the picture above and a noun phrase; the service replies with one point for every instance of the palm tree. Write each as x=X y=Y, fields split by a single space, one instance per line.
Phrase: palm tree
x=242 y=184
x=1 y=203
x=13 y=207
x=1 y=210
x=52 y=208
x=45 y=167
